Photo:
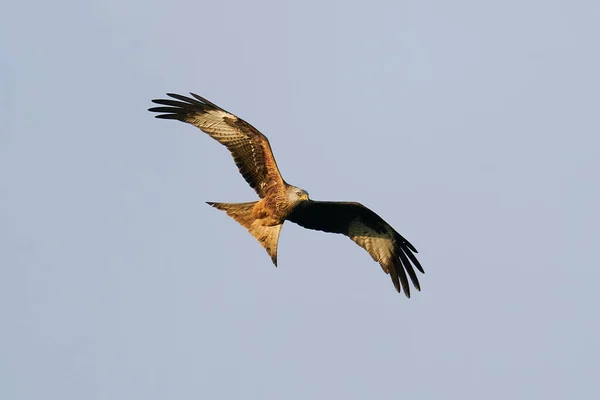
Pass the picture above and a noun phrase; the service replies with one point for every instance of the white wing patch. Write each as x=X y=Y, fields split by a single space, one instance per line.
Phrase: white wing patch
x=379 y=246
x=218 y=124
x=213 y=122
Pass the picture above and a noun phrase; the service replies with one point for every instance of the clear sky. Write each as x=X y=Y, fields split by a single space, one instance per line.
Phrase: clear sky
x=471 y=127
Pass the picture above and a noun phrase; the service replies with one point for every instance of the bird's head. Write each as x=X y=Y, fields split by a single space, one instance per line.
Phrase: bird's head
x=296 y=195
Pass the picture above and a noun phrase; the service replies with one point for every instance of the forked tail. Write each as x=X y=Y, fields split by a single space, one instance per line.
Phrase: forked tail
x=267 y=236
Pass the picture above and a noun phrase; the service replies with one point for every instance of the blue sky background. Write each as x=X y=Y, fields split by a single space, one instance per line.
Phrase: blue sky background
x=471 y=127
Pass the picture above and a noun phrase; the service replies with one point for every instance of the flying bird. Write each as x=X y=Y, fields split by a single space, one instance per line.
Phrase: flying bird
x=280 y=202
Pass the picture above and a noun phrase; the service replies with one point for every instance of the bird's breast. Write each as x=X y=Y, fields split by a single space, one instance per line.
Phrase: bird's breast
x=268 y=213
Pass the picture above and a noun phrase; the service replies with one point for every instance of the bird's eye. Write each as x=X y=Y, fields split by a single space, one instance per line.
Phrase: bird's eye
x=299 y=193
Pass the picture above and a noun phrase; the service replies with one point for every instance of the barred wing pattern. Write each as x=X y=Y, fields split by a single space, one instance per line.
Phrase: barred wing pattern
x=250 y=149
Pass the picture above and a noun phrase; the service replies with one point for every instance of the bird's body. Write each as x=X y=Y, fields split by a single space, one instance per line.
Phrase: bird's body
x=280 y=202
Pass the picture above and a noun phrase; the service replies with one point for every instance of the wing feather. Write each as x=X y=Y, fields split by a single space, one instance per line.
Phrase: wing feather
x=250 y=149
x=409 y=269
x=386 y=246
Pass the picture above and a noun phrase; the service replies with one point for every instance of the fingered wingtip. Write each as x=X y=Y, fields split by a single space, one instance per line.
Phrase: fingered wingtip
x=406 y=291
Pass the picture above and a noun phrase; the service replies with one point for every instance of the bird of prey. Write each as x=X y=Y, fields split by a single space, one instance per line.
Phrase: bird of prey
x=280 y=202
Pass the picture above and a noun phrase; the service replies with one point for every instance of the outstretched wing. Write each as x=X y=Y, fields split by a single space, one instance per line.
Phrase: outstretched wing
x=369 y=231
x=250 y=148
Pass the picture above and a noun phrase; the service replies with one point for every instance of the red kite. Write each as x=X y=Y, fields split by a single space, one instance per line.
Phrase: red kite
x=279 y=201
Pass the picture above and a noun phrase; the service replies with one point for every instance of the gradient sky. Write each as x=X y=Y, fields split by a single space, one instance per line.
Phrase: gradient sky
x=472 y=128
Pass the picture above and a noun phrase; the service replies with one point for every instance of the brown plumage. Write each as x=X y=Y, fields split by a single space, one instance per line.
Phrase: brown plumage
x=279 y=201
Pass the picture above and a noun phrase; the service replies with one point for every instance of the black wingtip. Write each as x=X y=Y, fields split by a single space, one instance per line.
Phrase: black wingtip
x=171 y=110
x=415 y=262
x=186 y=99
x=407 y=291
x=168 y=116
x=410 y=246
x=409 y=269
x=205 y=101
x=395 y=281
x=175 y=95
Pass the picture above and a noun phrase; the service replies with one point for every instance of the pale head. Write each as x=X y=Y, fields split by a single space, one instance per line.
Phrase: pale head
x=295 y=195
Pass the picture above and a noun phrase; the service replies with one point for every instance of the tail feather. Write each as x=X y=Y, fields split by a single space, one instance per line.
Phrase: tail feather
x=267 y=236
